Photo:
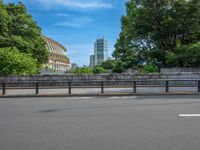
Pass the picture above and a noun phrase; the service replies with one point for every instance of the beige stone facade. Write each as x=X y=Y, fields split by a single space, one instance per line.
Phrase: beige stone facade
x=58 y=60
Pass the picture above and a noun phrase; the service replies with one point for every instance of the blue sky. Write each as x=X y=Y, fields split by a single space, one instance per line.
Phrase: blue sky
x=77 y=23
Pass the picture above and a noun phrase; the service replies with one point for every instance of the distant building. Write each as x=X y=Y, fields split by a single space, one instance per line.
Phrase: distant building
x=58 y=61
x=100 y=51
x=74 y=65
x=92 y=60
x=110 y=58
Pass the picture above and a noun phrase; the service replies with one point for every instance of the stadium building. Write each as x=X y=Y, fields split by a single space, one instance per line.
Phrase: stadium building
x=58 y=60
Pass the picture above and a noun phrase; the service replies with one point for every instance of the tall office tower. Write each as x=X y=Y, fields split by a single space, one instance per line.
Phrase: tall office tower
x=100 y=51
x=92 y=60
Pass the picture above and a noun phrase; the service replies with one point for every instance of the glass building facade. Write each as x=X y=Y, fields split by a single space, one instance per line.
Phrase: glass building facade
x=100 y=51
x=92 y=60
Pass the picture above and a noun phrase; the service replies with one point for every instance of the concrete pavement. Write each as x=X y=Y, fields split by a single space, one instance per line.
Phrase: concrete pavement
x=97 y=91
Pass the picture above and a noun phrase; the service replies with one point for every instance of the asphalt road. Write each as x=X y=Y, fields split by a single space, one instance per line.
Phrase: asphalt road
x=101 y=123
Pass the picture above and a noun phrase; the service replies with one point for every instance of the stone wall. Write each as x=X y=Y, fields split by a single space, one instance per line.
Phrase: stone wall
x=154 y=76
x=180 y=69
x=106 y=77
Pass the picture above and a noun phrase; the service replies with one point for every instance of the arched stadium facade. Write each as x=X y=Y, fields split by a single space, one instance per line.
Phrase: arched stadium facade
x=58 y=60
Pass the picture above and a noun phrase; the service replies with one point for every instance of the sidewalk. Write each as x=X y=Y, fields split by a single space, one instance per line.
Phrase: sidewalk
x=97 y=91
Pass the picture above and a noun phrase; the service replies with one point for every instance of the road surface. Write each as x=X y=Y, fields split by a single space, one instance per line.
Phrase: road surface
x=100 y=123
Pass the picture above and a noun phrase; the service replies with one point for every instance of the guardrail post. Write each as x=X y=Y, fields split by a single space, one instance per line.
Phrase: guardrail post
x=37 y=88
x=167 y=86
x=135 y=88
x=102 y=88
x=70 y=88
x=199 y=86
x=3 y=89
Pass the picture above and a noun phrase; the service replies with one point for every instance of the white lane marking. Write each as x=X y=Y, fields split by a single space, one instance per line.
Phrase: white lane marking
x=87 y=97
x=80 y=97
x=189 y=115
x=113 y=97
x=122 y=97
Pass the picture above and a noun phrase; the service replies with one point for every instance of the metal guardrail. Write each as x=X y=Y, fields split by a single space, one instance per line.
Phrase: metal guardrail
x=101 y=84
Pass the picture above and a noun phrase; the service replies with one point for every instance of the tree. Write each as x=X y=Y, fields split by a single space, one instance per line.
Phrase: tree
x=149 y=69
x=83 y=70
x=156 y=30
x=108 y=64
x=98 y=70
x=187 y=55
x=14 y=62
x=3 y=19
x=118 y=68
x=18 y=30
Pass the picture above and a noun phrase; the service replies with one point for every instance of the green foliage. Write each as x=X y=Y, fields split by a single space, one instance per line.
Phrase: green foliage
x=118 y=68
x=149 y=69
x=188 y=56
x=88 y=70
x=98 y=70
x=14 y=62
x=172 y=59
x=159 y=31
x=83 y=70
x=3 y=19
x=108 y=64
x=18 y=30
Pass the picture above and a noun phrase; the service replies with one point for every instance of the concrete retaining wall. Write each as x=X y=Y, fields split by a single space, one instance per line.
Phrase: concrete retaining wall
x=154 y=76
x=180 y=69
x=108 y=77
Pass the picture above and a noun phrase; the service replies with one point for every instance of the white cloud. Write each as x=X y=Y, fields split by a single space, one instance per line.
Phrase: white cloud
x=76 y=23
x=81 y=4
